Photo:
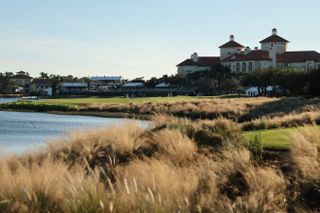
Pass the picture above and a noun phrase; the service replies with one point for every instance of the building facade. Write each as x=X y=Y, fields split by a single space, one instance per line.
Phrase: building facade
x=22 y=82
x=73 y=88
x=240 y=59
x=42 y=87
x=104 y=83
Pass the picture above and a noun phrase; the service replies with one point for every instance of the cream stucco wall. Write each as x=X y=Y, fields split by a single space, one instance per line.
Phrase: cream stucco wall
x=303 y=66
x=246 y=66
x=280 y=47
x=226 y=52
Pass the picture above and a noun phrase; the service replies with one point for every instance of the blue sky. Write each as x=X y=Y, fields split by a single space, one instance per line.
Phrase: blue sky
x=142 y=37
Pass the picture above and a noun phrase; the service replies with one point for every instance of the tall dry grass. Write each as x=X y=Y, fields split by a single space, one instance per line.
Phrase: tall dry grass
x=236 y=109
x=250 y=113
x=291 y=120
x=175 y=165
x=305 y=174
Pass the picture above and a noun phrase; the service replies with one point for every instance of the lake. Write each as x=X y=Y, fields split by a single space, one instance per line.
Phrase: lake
x=21 y=131
x=7 y=100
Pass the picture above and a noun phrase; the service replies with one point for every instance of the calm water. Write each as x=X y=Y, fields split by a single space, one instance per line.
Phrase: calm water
x=6 y=100
x=21 y=131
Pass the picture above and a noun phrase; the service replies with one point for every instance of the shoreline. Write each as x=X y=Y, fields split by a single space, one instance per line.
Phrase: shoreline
x=100 y=114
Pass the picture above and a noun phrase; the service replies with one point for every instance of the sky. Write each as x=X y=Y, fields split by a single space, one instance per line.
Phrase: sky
x=141 y=38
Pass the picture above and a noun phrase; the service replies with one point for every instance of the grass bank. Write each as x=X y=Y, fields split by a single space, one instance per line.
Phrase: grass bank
x=252 y=113
x=175 y=165
x=122 y=100
x=38 y=107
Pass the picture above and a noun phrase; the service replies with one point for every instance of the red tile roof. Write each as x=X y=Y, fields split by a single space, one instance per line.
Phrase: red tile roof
x=254 y=55
x=202 y=61
x=298 y=56
x=231 y=44
x=274 y=38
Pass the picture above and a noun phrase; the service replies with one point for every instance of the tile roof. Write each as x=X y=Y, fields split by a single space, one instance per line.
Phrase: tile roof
x=254 y=55
x=202 y=61
x=231 y=44
x=298 y=56
x=274 y=38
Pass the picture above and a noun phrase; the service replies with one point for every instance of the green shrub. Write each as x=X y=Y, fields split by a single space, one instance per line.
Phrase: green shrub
x=255 y=147
x=38 y=106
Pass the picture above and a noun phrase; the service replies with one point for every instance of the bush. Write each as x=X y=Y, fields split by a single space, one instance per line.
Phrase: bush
x=255 y=147
x=38 y=106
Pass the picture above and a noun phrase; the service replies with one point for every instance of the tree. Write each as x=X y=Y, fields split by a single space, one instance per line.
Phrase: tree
x=151 y=83
x=44 y=75
x=139 y=79
x=8 y=74
x=313 y=80
x=289 y=81
x=231 y=85
x=207 y=85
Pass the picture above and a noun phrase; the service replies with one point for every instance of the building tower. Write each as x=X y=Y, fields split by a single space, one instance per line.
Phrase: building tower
x=275 y=42
x=230 y=48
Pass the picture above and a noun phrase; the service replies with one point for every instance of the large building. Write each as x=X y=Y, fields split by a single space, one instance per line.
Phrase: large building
x=272 y=53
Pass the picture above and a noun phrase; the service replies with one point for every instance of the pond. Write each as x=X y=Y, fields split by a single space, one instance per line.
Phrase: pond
x=21 y=131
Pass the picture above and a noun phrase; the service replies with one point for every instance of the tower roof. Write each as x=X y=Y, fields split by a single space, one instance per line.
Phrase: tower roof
x=231 y=44
x=274 y=38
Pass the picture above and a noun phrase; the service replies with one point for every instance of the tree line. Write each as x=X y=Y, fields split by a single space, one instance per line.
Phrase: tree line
x=288 y=82
x=220 y=80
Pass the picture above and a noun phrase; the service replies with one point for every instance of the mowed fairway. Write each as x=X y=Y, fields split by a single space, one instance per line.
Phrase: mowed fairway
x=120 y=100
x=273 y=138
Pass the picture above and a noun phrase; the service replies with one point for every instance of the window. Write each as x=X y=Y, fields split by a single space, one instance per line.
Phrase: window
x=250 y=66
x=244 y=67
x=238 y=67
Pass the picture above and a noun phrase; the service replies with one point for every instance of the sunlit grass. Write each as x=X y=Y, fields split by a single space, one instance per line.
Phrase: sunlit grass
x=273 y=138
x=174 y=165
x=123 y=100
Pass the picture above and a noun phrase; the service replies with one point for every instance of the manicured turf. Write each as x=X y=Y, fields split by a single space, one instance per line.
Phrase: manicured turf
x=273 y=138
x=116 y=100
